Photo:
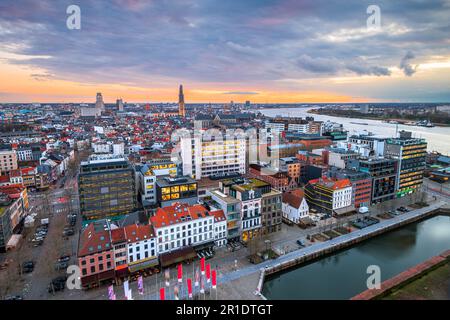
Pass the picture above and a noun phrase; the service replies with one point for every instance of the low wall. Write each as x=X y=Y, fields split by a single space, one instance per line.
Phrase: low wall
x=405 y=277
x=296 y=261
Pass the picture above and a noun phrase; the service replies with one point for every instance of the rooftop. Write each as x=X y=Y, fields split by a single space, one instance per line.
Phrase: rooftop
x=178 y=213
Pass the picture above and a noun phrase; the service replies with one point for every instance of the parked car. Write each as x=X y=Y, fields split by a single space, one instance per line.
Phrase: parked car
x=15 y=297
x=300 y=243
x=27 y=267
x=61 y=265
x=64 y=258
x=68 y=232
x=57 y=284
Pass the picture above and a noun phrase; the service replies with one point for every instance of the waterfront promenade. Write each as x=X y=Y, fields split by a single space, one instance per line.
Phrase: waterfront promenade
x=248 y=280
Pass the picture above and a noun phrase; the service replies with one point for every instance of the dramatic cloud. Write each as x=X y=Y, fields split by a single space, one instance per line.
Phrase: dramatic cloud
x=405 y=65
x=245 y=45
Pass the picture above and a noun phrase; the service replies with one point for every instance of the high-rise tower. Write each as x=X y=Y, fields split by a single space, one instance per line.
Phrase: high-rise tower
x=181 y=108
x=99 y=105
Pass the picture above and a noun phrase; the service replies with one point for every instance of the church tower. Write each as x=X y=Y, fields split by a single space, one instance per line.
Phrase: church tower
x=181 y=108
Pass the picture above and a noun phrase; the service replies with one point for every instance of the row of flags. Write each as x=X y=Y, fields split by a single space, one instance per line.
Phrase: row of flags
x=204 y=279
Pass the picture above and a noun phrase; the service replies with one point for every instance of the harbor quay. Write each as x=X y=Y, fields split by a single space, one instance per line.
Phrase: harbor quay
x=247 y=282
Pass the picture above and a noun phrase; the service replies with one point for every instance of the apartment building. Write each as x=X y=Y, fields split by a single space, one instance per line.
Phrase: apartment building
x=231 y=208
x=96 y=255
x=141 y=247
x=248 y=192
x=181 y=225
x=177 y=189
x=146 y=176
x=204 y=156
x=329 y=196
x=294 y=206
x=383 y=173
x=8 y=160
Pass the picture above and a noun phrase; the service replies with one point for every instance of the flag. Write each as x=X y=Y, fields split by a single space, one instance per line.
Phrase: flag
x=141 y=285
x=167 y=276
x=197 y=277
x=189 y=285
x=202 y=265
x=111 y=295
x=129 y=296
x=208 y=273
x=214 y=279
x=175 y=292
x=126 y=288
x=202 y=285
x=162 y=294
x=180 y=272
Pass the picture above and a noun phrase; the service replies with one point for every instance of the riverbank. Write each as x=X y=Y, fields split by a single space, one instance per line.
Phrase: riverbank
x=330 y=248
x=434 y=285
x=406 y=277
x=334 y=113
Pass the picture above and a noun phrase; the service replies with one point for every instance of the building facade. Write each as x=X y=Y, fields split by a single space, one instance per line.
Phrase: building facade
x=205 y=157
x=106 y=187
x=411 y=154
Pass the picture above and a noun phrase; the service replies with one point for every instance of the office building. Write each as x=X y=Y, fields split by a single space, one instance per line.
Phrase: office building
x=411 y=154
x=106 y=187
x=203 y=157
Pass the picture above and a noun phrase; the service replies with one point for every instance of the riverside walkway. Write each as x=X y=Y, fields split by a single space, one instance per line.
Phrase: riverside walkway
x=316 y=250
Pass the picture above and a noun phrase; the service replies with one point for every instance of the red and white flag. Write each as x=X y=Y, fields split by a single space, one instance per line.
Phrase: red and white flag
x=208 y=273
x=214 y=279
x=162 y=294
x=180 y=272
x=189 y=286
x=202 y=265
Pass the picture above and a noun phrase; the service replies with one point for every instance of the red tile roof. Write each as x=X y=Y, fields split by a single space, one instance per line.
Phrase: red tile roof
x=173 y=214
x=294 y=198
x=135 y=232
x=92 y=242
x=118 y=235
x=332 y=184
x=218 y=215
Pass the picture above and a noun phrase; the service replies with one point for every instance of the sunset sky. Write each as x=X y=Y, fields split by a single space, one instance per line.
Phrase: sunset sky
x=262 y=51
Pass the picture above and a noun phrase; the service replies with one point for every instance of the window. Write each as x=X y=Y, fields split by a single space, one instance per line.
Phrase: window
x=93 y=269
x=84 y=271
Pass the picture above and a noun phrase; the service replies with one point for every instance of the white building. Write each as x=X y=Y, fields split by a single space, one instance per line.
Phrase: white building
x=24 y=154
x=202 y=157
x=342 y=197
x=294 y=206
x=220 y=228
x=141 y=244
x=147 y=175
x=180 y=225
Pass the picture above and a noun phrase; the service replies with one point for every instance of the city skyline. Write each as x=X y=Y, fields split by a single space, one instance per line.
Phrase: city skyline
x=265 y=52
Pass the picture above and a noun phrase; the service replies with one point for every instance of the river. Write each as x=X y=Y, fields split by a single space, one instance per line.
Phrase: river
x=343 y=275
x=438 y=138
